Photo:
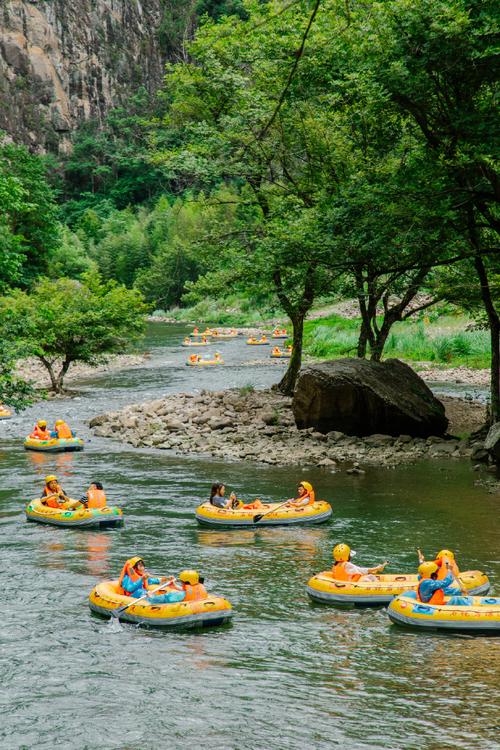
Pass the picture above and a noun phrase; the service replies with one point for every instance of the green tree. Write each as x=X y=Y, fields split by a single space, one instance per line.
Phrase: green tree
x=66 y=321
x=29 y=229
x=437 y=62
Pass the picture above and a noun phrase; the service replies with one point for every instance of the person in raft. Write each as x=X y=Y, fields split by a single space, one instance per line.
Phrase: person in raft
x=54 y=496
x=344 y=570
x=61 y=430
x=94 y=497
x=444 y=556
x=134 y=581
x=432 y=590
x=40 y=431
x=217 y=497
x=306 y=496
x=191 y=586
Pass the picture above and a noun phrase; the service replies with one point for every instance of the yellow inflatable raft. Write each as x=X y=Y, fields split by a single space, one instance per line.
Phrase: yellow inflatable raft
x=92 y=517
x=258 y=342
x=483 y=615
x=204 y=362
x=323 y=587
x=214 y=610
x=210 y=515
x=281 y=353
x=5 y=413
x=54 y=445
x=224 y=334
x=188 y=342
x=279 y=334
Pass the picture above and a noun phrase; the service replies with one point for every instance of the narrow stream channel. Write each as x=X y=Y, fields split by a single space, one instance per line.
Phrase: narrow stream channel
x=286 y=673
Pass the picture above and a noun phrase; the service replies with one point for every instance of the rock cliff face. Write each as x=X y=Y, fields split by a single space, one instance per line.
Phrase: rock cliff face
x=65 y=61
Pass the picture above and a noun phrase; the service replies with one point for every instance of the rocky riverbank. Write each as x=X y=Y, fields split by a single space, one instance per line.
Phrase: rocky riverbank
x=242 y=424
x=33 y=370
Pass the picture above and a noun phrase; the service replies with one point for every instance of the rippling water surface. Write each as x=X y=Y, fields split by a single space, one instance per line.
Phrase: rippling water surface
x=286 y=673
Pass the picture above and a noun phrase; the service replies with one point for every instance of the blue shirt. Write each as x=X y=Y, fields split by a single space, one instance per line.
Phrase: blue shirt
x=136 y=588
x=428 y=586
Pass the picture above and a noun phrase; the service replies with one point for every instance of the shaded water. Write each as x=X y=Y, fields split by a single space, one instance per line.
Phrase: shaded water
x=287 y=673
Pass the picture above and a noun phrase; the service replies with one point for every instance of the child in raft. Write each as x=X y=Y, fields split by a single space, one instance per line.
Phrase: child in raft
x=444 y=556
x=431 y=589
x=134 y=581
x=54 y=496
x=344 y=570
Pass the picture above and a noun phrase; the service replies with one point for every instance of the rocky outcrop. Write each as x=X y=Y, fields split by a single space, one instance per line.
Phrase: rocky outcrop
x=492 y=442
x=259 y=426
x=64 y=62
x=360 y=397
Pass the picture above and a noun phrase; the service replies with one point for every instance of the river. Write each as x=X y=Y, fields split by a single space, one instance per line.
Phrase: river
x=286 y=674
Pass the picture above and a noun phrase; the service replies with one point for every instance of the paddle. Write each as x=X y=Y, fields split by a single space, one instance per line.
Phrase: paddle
x=260 y=516
x=117 y=612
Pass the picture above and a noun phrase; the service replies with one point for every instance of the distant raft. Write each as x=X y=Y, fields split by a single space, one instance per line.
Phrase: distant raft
x=278 y=353
x=54 y=445
x=85 y=517
x=213 y=610
x=4 y=412
x=258 y=342
x=200 y=362
x=188 y=342
x=323 y=587
x=317 y=512
x=482 y=616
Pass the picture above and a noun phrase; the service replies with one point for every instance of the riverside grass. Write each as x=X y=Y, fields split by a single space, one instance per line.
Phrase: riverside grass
x=445 y=341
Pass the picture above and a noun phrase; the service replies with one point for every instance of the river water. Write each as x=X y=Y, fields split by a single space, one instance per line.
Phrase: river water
x=286 y=673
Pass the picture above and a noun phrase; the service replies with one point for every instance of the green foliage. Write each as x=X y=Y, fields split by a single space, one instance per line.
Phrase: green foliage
x=28 y=223
x=70 y=258
x=110 y=162
x=72 y=321
x=14 y=391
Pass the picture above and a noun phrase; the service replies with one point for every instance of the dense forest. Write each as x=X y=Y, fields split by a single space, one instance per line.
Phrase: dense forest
x=297 y=151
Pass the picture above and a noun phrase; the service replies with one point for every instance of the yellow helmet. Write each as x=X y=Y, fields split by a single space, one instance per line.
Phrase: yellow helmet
x=42 y=423
x=427 y=569
x=445 y=553
x=50 y=478
x=341 y=553
x=134 y=560
x=306 y=485
x=189 y=576
x=59 y=421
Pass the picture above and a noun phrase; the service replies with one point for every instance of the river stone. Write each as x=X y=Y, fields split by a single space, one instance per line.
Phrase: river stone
x=492 y=442
x=361 y=397
x=99 y=420
x=172 y=425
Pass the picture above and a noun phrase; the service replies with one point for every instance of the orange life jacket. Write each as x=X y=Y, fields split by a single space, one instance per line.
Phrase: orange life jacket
x=253 y=506
x=443 y=570
x=436 y=598
x=96 y=499
x=131 y=572
x=63 y=431
x=39 y=434
x=194 y=592
x=52 y=502
x=309 y=496
x=340 y=573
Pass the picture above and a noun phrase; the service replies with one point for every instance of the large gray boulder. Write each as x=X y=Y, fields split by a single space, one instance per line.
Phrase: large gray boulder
x=492 y=442
x=360 y=397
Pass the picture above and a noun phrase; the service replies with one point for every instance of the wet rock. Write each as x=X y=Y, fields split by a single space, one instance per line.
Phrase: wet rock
x=362 y=397
x=173 y=425
x=479 y=453
x=99 y=420
x=492 y=442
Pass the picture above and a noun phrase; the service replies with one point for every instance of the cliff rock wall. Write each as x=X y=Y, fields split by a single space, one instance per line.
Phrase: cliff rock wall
x=65 y=61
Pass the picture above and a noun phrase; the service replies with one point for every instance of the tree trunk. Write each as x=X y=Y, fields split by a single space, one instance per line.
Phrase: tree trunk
x=494 y=325
x=62 y=372
x=287 y=382
x=53 y=379
x=362 y=341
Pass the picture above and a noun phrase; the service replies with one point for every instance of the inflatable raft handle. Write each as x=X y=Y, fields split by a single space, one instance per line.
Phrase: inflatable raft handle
x=422 y=610
x=400 y=578
x=490 y=600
